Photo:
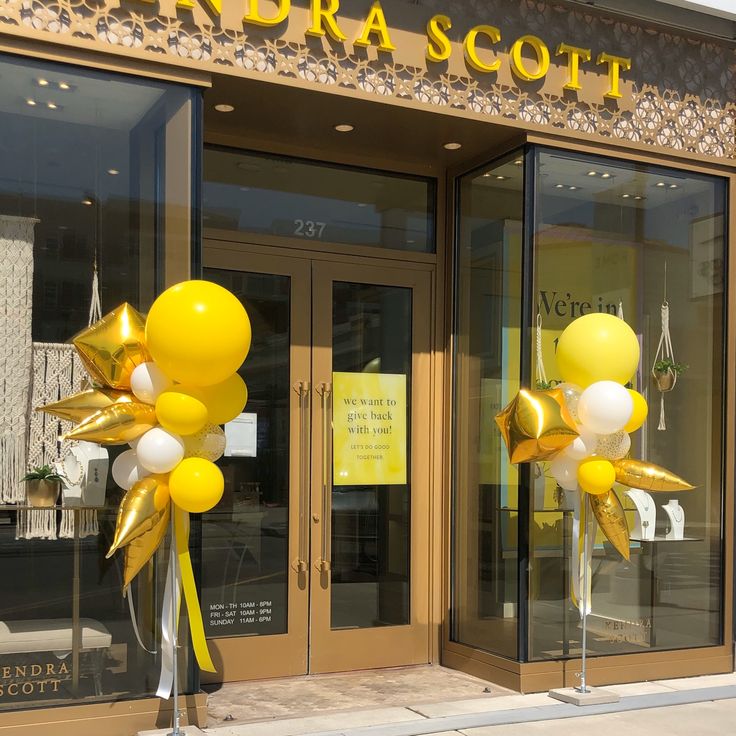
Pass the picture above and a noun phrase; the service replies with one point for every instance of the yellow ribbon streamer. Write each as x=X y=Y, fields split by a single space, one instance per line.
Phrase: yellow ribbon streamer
x=196 y=625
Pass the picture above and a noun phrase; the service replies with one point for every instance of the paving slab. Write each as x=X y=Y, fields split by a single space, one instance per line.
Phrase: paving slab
x=697 y=683
x=315 y=724
x=695 y=719
x=481 y=705
x=639 y=688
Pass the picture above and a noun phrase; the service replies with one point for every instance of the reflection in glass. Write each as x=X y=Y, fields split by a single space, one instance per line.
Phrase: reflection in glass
x=84 y=165
x=314 y=202
x=371 y=332
x=488 y=315
x=605 y=235
x=245 y=542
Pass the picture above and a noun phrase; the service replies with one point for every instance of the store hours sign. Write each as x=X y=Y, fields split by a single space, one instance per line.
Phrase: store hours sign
x=369 y=429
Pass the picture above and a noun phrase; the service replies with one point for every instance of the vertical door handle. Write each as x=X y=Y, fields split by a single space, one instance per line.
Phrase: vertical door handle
x=325 y=392
x=301 y=563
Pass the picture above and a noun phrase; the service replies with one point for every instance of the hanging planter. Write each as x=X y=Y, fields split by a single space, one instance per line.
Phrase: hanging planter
x=665 y=373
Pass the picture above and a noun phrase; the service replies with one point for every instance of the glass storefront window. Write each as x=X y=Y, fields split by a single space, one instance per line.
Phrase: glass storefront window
x=94 y=167
x=607 y=236
x=487 y=370
x=317 y=203
x=618 y=237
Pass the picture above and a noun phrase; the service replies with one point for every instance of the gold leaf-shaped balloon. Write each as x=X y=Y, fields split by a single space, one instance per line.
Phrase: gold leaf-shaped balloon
x=140 y=510
x=648 y=476
x=609 y=514
x=142 y=548
x=116 y=424
x=83 y=405
x=536 y=425
x=113 y=346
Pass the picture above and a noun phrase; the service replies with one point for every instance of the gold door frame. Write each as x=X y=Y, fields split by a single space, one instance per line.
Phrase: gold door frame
x=389 y=646
x=298 y=651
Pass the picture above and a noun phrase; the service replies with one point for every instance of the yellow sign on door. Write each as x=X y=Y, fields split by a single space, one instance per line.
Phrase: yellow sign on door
x=369 y=429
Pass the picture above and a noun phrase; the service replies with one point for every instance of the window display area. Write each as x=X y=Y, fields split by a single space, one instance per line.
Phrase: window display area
x=645 y=244
x=82 y=201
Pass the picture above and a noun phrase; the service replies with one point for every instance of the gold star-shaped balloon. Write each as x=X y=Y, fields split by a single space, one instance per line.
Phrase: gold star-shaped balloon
x=113 y=346
x=536 y=425
x=81 y=406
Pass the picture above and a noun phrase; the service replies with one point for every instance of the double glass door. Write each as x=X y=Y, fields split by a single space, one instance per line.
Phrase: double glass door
x=316 y=558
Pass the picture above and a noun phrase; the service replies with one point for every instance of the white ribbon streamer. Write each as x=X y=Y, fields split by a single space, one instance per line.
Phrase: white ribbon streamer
x=172 y=595
x=128 y=593
x=582 y=557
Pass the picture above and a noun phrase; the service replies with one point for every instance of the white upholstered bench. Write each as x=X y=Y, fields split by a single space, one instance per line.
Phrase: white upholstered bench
x=55 y=635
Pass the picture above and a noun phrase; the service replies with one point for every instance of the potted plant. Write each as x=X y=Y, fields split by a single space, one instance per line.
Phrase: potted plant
x=44 y=486
x=665 y=372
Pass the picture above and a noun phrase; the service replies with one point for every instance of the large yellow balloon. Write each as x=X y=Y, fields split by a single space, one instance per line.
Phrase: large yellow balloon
x=198 y=333
x=180 y=413
x=597 y=347
x=596 y=476
x=196 y=485
x=224 y=401
x=639 y=415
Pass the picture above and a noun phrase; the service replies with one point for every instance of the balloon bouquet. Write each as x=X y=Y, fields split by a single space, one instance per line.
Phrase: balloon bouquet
x=582 y=426
x=163 y=384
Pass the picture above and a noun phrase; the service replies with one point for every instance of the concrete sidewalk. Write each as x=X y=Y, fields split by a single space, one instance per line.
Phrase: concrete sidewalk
x=697 y=706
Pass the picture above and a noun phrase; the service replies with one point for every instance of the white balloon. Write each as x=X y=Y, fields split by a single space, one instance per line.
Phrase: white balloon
x=160 y=451
x=127 y=471
x=134 y=443
x=565 y=471
x=614 y=446
x=583 y=446
x=148 y=382
x=605 y=407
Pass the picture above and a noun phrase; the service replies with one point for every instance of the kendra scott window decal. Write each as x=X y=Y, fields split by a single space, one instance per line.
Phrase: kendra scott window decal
x=369 y=429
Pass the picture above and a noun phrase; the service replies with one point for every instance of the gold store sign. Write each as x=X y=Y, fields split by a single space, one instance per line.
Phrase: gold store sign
x=528 y=56
x=32 y=680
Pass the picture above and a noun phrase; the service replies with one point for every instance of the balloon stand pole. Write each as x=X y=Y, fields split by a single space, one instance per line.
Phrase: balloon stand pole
x=587 y=563
x=582 y=694
x=173 y=571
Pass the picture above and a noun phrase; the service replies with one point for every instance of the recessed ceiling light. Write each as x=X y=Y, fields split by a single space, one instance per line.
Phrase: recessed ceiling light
x=88 y=201
x=605 y=175
x=244 y=189
x=518 y=162
x=487 y=175
x=113 y=172
x=32 y=103
x=362 y=204
x=65 y=86
x=501 y=178
x=453 y=146
x=559 y=186
x=43 y=82
x=625 y=196
x=52 y=106
x=411 y=242
x=660 y=184
x=344 y=128
x=572 y=189
x=592 y=173
x=638 y=196
x=224 y=108
x=674 y=186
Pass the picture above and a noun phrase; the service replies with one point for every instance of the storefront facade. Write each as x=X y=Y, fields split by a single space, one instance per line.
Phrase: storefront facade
x=412 y=201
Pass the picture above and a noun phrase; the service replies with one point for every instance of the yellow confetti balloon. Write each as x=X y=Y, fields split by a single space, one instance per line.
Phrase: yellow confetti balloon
x=208 y=443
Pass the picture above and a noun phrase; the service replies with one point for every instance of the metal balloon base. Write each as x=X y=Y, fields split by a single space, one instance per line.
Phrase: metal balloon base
x=591 y=696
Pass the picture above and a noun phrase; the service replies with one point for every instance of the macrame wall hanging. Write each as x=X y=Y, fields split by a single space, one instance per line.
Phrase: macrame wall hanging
x=665 y=369
x=57 y=372
x=16 y=305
